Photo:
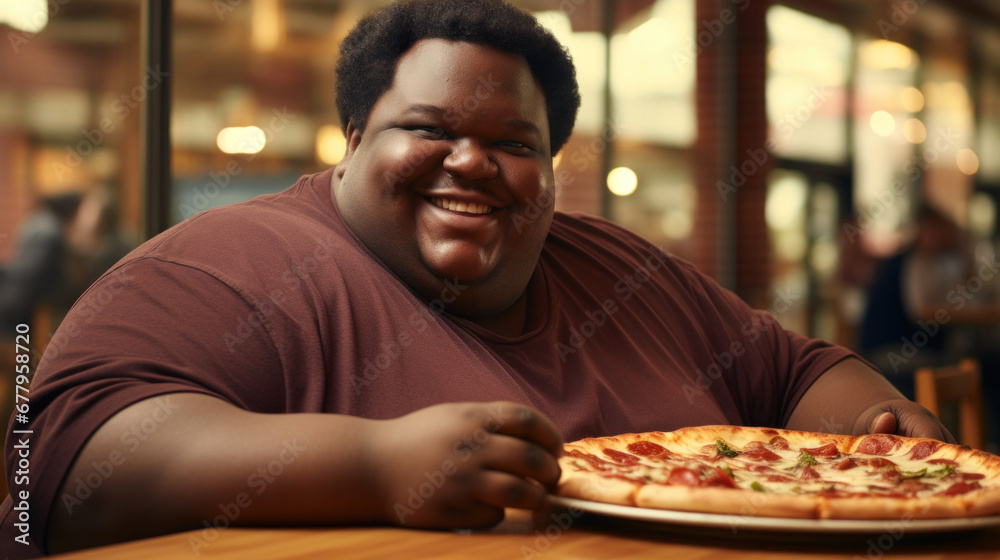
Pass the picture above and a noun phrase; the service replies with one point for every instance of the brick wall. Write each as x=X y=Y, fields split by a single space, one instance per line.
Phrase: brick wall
x=730 y=235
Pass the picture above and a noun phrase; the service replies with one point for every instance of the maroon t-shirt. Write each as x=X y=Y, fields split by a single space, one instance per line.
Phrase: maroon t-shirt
x=275 y=306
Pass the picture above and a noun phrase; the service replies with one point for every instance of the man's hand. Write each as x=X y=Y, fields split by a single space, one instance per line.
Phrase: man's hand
x=460 y=465
x=901 y=417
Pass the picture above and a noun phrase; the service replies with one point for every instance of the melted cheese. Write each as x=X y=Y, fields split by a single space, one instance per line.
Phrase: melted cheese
x=861 y=479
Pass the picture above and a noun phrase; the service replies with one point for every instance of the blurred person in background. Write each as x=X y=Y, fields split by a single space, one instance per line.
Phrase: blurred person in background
x=38 y=265
x=64 y=246
x=95 y=242
x=908 y=289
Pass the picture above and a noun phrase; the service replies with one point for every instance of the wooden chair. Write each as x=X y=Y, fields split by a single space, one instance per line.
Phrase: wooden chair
x=959 y=384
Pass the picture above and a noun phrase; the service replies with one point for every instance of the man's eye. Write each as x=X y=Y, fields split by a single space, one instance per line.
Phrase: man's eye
x=430 y=132
x=515 y=147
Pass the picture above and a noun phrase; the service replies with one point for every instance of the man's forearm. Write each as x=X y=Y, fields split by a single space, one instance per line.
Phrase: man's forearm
x=837 y=400
x=210 y=459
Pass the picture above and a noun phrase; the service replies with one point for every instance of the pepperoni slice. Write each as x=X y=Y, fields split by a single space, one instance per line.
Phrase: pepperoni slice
x=966 y=476
x=912 y=486
x=778 y=442
x=716 y=477
x=761 y=454
x=892 y=476
x=878 y=462
x=809 y=473
x=646 y=448
x=923 y=449
x=778 y=478
x=594 y=461
x=942 y=462
x=846 y=463
x=960 y=488
x=621 y=458
x=879 y=444
x=828 y=450
x=682 y=476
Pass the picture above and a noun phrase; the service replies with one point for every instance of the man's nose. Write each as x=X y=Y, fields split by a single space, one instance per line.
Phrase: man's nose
x=470 y=160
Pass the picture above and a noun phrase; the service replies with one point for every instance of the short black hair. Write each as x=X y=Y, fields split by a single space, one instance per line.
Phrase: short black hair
x=369 y=53
x=63 y=205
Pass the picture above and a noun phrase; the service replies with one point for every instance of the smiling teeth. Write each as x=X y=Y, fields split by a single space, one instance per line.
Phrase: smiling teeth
x=467 y=207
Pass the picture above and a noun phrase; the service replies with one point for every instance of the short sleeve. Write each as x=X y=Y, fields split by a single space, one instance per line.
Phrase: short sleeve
x=766 y=369
x=147 y=329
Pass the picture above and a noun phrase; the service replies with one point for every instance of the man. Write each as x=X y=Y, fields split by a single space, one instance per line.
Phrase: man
x=336 y=353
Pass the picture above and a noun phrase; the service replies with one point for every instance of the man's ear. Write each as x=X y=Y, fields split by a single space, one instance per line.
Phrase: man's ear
x=353 y=136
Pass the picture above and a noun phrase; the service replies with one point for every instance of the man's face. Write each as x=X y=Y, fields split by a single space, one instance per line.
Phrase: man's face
x=445 y=182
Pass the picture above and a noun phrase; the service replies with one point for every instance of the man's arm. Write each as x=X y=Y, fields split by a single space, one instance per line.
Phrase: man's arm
x=853 y=398
x=463 y=463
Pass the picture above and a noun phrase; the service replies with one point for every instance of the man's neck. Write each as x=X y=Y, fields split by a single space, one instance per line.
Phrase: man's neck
x=511 y=322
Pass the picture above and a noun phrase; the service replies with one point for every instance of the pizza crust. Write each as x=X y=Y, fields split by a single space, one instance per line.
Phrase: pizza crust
x=598 y=489
x=724 y=501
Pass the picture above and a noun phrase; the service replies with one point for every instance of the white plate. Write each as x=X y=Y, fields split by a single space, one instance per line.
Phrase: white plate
x=736 y=523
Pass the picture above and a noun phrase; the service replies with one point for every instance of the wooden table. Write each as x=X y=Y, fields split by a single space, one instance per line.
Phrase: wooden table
x=521 y=537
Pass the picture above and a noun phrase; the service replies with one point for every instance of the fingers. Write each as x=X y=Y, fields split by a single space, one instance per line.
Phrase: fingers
x=904 y=418
x=518 y=457
x=460 y=464
x=504 y=490
x=884 y=423
x=923 y=424
x=916 y=421
x=525 y=423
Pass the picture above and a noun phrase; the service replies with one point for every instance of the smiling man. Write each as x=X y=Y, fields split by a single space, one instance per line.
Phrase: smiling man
x=405 y=338
x=436 y=195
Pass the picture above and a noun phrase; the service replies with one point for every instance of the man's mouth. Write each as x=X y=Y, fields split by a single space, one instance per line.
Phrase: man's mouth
x=458 y=206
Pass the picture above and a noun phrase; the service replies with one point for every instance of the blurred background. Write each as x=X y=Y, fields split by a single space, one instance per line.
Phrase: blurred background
x=787 y=148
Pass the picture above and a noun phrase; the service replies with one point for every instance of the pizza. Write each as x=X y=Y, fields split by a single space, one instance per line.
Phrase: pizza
x=783 y=473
